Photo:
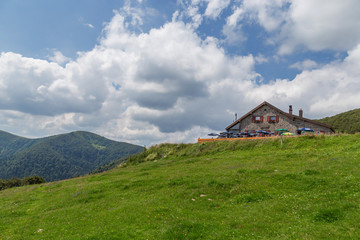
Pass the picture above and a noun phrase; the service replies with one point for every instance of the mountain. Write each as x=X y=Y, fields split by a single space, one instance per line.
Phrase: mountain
x=58 y=157
x=306 y=188
x=347 y=122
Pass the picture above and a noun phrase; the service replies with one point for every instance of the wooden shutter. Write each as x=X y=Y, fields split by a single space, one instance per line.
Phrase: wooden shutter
x=253 y=119
x=277 y=118
x=268 y=118
x=261 y=119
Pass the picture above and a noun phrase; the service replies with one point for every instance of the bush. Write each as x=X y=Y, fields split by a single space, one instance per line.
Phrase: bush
x=2 y=184
x=14 y=182
x=33 y=180
x=17 y=182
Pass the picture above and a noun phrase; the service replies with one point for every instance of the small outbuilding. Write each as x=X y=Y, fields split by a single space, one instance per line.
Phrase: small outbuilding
x=269 y=118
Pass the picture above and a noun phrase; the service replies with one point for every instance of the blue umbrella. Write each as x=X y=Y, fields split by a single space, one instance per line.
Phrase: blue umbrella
x=261 y=131
x=225 y=134
x=213 y=134
x=305 y=129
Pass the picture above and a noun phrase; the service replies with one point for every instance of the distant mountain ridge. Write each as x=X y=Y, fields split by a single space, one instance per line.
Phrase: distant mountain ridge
x=58 y=157
x=346 y=122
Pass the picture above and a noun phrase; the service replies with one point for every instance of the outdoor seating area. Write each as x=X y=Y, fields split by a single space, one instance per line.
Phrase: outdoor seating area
x=260 y=134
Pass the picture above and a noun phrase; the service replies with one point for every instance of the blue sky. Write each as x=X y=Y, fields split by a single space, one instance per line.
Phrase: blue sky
x=151 y=71
x=34 y=28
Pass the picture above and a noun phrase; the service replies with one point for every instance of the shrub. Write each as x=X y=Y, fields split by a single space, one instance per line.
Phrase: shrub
x=14 y=182
x=17 y=182
x=33 y=180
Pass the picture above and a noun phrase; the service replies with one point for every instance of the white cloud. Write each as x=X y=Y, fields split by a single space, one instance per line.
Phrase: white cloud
x=135 y=14
x=292 y=24
x=194 y=14
x=320 y=25
x=235 y=17
x=260 y=59
x=232 y=29
x=89 y=25
x=268 y=13
x=325 y=91
x=166 y=80
x=192 y=10
x=58 y=57
x=215 y=7
x=304 y=65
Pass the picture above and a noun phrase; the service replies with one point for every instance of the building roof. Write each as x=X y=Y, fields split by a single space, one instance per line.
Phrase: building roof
x=290 y=116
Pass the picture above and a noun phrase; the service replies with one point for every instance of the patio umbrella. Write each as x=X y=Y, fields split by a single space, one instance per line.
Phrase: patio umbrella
x=288 y=134
x=212 y=134
x=281 y=130
x=261 y=131
x=305 y=129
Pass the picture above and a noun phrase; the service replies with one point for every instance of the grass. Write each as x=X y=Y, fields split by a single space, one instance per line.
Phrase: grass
x=307 y=188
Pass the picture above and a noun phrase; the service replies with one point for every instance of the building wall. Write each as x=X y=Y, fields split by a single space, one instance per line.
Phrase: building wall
x=247 y=123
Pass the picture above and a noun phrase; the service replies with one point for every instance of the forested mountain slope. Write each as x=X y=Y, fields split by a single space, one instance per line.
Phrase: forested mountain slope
x=58 y=157
x=347 y=122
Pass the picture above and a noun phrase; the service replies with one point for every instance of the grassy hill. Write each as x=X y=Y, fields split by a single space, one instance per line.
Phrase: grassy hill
x=58 y=157
x=307 y=188
x=347 y=122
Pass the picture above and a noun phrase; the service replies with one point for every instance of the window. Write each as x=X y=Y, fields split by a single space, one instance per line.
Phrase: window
x=273 y=119
x=257 y=119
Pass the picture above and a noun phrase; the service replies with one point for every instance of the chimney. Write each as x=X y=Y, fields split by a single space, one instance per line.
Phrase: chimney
x=290 y=109
x=235 y=116
x=300 y=112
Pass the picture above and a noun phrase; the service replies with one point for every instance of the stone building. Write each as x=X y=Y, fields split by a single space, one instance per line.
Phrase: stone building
x=269 y=118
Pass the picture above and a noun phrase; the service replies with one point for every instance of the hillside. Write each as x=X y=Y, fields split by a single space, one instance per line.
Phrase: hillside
x=58 y=157
x=307 y=188
x=347 y=122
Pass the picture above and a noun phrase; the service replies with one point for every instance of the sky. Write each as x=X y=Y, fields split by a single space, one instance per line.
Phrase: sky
x=154 y=71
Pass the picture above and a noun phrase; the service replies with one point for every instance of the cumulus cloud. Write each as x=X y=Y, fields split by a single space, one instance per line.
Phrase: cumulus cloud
x=215 y=7
x=304 y=65
x=171 y=79
x=323 y=91
x=58 y=57
x=192 y=10
x=292 y=24
x=320 y=25
x=167 y=84
x=165 y=79
x=260 y=59
x=270 y=14
x=232 y=30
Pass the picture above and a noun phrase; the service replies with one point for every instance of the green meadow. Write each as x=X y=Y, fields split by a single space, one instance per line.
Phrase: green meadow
x=307 y=188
